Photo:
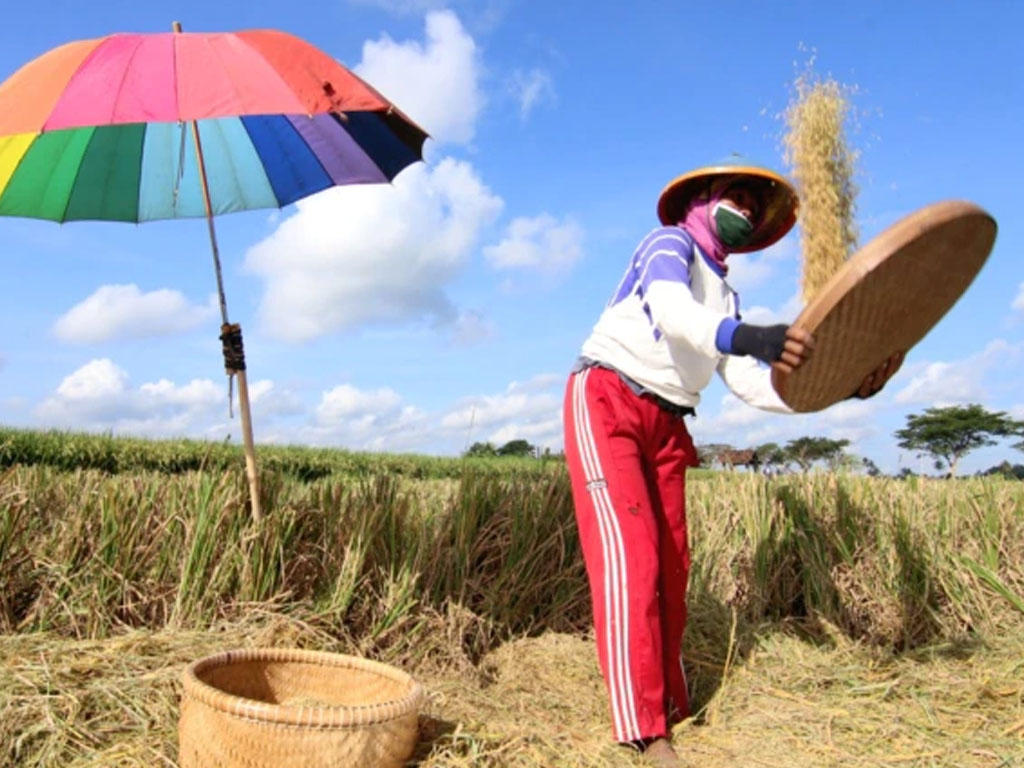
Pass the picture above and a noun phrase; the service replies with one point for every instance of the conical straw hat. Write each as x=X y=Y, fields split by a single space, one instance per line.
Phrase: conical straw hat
x=778 y=195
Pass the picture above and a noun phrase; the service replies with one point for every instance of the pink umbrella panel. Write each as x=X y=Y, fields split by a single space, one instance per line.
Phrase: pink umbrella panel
x=95 y=129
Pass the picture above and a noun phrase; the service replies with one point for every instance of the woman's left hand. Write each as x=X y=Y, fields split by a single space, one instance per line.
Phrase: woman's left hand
x=875 y=380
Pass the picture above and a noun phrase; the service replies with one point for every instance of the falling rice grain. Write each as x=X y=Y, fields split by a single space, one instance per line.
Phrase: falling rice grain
x=822 y=165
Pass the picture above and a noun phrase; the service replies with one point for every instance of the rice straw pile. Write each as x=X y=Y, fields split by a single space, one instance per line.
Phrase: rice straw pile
x=768 y=699
x=822 y=165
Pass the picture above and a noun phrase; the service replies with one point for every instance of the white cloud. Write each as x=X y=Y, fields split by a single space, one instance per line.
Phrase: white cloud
x=98 y=396
x=346 y=401
x=373 y=420
x=268 y=400
x=198 y=393
x=742 y=425
x=733 y=414
x=747 y=271
x=787 y=313
x=943 y=384
x=95 y=380
x=546 y=433
x=436 y=82
x=531 y=89
x=953 y=383
x=1018 y=303
x=380 y=419
x=541 y=243
x=355 y=255
x=472 y=327
x=123 y=311
x=530 y=410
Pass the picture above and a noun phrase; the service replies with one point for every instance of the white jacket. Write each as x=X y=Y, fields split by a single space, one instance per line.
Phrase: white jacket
x=669 y=326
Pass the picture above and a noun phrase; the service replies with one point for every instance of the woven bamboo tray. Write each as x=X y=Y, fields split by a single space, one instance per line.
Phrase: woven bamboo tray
x=885 y=298
x=279 y=708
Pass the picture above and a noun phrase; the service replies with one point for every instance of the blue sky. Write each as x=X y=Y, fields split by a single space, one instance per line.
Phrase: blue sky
x=448 y=307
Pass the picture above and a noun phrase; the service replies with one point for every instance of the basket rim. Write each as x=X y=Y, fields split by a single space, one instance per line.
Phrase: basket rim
x=328 y=716
x=803 y=389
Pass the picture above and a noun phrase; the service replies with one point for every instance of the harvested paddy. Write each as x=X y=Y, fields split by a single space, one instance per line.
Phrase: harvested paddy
x=539 y=701
x=835 y=620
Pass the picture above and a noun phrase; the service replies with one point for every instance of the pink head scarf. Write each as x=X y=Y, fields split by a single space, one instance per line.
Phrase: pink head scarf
x=698 y=223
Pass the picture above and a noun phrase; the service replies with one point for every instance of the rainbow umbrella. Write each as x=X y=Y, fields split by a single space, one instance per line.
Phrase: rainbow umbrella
x=137 y=127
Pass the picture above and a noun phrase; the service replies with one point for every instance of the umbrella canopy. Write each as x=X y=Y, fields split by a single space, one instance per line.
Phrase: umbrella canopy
x=139 y=127
x=96 y=129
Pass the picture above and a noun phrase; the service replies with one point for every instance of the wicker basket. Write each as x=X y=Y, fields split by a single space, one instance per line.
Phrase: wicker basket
x=280 y=707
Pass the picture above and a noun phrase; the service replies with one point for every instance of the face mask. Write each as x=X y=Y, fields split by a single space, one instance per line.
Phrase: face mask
x=733 y=228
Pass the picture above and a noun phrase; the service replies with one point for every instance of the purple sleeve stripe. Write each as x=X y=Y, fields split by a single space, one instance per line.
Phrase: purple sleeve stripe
x=665 y=265
x=723 y=337
x=657 y=234
x=662 y=239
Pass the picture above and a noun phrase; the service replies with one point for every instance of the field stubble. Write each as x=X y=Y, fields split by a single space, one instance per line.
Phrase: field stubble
x=834 y=621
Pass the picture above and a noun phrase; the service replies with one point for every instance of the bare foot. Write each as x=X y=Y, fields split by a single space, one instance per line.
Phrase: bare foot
x=659 y=753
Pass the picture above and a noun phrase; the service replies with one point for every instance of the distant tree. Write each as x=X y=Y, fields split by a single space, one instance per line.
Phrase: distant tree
x=516 y=448
x=481 y=449
x=710 y=453
x=804 y=451
x=846 y=462
x=773 y=456
x=870 y=467
x=1007 y=470
x=949 y=434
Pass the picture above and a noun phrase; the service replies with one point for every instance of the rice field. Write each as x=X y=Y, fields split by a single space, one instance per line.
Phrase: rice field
x=835 y=620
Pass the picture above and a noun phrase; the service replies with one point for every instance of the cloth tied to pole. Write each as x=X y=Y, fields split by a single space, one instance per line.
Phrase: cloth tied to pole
x=234 y=356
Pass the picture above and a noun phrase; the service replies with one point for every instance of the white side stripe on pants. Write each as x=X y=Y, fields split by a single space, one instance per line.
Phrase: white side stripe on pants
x=616 y=603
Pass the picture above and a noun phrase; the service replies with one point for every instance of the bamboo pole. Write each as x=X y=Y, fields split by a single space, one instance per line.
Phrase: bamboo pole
x=243 y=385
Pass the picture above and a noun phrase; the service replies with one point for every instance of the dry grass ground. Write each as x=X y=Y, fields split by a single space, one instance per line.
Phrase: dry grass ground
x=540 y=701
x=834 y=620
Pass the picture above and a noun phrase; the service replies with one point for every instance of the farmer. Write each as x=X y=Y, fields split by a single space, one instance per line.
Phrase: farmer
x=671 y=323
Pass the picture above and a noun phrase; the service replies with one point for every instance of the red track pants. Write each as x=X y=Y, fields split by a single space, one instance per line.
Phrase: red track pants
x=627 y=459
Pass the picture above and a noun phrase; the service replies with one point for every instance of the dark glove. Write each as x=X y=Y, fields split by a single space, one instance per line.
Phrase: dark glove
x=765 y=342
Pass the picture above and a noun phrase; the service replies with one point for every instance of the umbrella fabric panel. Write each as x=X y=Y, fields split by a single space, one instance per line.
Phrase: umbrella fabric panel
x=106 y=185
x=12 y=149
x=169 y=186
x=136 y=78
x=342 y=158
x=220 y=75
x=294 y=171
x=28 y=96
x=391 y=150
x=332 y=88
x=40 y=185
x=139 y=172
x=124 y=79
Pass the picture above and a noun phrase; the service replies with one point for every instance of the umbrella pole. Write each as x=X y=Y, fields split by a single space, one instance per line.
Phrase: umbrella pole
x=231 y=336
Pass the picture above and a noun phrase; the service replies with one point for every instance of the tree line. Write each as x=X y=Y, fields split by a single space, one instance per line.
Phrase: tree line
x=945 y=435
x=942 y=434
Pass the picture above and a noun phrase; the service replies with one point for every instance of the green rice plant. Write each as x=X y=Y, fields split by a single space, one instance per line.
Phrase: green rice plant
x=990 y=579
x=383 y=557
x=70 y=451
